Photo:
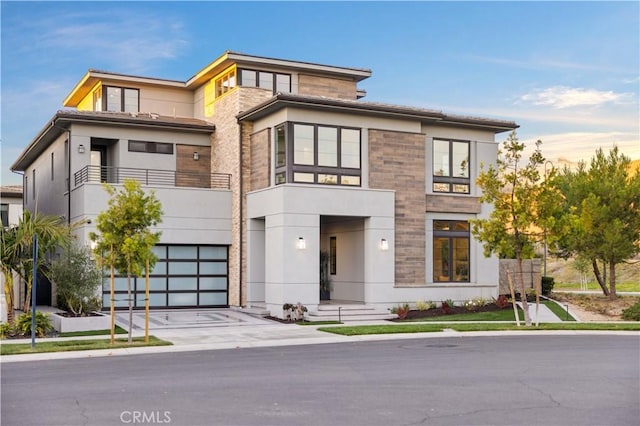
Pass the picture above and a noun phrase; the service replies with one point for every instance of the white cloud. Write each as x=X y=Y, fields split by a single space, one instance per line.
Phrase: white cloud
x=567 y=97
x=572 y=147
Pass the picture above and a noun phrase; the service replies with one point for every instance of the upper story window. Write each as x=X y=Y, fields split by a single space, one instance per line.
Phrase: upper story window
x=312 y=153
x=116 y=99
x=451 y=166
x=275 y=82
x=225 y=82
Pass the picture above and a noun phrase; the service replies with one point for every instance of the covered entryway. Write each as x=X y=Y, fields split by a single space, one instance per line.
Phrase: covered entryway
x=342 y=248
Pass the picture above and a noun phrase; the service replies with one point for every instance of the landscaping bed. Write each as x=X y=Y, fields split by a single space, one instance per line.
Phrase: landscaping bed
x=414 y=314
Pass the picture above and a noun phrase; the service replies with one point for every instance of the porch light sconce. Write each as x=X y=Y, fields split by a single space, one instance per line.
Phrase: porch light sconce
x=301 y=244
x=80 y=149
x=384 y=244
x=196 y=156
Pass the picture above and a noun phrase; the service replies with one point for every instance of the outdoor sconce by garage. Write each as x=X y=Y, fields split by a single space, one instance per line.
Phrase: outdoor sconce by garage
x=80 y=149
x=384 y=244
x=301 y=244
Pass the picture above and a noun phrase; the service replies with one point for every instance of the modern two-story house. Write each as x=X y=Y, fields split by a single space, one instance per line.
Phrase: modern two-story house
x=260 y=164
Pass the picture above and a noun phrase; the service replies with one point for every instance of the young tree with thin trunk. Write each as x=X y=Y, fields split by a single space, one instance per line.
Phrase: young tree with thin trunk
x=522 y=200
x=603 y=205
x=125 y=227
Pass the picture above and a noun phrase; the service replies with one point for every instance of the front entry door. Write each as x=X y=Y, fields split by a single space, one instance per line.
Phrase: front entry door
x=98 y=172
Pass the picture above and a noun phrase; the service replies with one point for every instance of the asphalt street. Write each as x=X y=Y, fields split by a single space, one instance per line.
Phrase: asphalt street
x=500 y=380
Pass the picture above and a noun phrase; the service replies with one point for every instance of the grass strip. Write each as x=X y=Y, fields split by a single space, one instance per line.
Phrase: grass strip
x=502 y=315
x=78 y=345
x=118 y=330
x=428 y=327
x=558 y=310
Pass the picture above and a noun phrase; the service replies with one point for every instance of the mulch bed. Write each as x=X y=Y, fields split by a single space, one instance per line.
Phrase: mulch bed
x=436 y=312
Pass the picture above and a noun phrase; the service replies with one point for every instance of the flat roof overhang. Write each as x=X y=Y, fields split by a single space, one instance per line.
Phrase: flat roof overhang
x=62 y=120
x=281 y=101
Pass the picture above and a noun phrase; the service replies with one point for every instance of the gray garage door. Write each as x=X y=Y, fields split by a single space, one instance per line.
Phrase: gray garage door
x=185 y=276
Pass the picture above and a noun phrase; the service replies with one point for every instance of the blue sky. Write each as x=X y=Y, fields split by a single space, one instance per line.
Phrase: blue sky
x=567 y=72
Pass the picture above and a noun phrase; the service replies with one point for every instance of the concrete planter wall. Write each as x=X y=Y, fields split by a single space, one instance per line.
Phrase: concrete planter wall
x=70 y=324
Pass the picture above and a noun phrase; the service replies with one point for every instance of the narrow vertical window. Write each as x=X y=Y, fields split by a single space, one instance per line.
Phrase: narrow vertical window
x=327 y=146
x=33 y=184
x=52 y=160
x=303 y=144
x=332 y=255
x=281 y=144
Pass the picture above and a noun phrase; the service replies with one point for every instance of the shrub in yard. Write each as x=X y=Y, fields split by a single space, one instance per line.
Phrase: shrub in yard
x=402 y=311
x=547 y=285
x=78 y=280
x=502 y=301
x=6 y=330
x=632 y=313
x=43 y=324
x=422 y=305
x=446 y=306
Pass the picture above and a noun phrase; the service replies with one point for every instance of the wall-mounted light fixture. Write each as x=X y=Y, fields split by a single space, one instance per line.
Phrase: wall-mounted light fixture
x=301 y=244
x=384 y=244
x=80 y=149
x=196 y=156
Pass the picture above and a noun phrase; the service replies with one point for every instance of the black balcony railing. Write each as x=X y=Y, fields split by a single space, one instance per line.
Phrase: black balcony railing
x=152 y=177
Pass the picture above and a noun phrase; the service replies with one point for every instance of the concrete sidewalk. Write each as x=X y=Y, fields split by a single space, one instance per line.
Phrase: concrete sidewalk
x=230 y=328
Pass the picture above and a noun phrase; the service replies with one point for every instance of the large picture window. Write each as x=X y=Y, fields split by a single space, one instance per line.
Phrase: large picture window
x=450 y=251
x=450 y=166
x=312 y=153
x=117 y=99
x=275 y=82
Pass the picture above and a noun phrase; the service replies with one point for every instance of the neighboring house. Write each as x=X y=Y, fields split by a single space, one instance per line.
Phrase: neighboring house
x=260 y=164
x=10 y=213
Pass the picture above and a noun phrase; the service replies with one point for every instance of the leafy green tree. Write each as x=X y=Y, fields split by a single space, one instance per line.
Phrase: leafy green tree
x=602 y=203
x=124 y=239
x=522 y=202
x=77 y=280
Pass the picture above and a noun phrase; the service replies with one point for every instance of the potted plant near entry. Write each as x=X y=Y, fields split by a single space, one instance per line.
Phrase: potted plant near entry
x=325 y=282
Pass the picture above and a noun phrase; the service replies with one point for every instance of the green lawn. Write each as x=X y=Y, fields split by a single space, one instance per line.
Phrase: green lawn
x=558 y=310
x=503 y=315
x=430 y=328
x=118 y=330
x=77 y=345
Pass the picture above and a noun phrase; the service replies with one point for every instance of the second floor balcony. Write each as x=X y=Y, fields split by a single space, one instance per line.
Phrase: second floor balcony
x=152 y=177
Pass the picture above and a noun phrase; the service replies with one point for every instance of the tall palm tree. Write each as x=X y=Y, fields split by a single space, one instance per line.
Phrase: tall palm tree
x=8 y=264
x=51 y=232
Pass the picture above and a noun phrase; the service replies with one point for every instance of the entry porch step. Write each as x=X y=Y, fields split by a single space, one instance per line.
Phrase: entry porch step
x=348 y=313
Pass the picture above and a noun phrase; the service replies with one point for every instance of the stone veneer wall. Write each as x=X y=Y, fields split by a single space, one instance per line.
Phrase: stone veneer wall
x=397 y=162
x=452 y=204
x=329 y=87
x=256 y=171
x=260 y=159
x=225 y=158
